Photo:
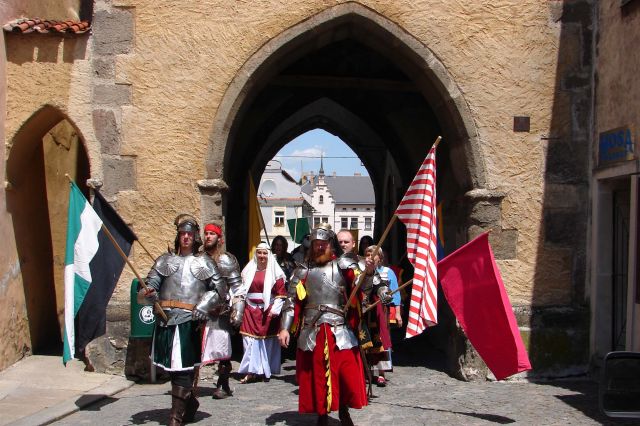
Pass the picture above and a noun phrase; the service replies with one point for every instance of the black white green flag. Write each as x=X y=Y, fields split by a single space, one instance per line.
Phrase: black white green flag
x=92 y=268
x=82 y=245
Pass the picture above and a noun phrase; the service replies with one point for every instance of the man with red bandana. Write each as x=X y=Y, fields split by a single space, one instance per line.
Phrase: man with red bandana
x=226 y=315
x=329 y=368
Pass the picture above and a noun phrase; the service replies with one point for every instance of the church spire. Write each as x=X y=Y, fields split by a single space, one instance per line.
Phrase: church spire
x=321 y=171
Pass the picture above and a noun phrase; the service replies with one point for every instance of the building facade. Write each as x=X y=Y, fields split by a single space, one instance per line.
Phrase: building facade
x=615 y=191
x=166 y=121
x=281 y=199
x=344 y=202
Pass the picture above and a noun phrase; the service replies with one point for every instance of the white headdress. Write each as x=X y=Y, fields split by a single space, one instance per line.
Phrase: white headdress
x=271 y=275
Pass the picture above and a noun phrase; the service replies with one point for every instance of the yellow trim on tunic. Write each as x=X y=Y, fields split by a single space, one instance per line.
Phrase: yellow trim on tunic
x=328 y=372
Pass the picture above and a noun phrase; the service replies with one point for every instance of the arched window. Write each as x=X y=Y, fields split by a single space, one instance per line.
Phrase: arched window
x=321 y=199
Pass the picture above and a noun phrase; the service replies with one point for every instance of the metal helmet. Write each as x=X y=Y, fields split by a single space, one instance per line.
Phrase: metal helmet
x=187 y=223
x=322 y=232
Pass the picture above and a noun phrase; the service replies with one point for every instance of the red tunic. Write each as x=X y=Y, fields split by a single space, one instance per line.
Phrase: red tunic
x=256 y=322
x=346 y=375
x=327 y=364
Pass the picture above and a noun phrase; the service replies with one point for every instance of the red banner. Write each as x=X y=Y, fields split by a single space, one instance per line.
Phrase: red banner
x=472 y=284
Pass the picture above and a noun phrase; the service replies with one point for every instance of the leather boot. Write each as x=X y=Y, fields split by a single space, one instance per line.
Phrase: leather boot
x=191 y=408
x=179 y=396
x=223 y=390
x=344 y=416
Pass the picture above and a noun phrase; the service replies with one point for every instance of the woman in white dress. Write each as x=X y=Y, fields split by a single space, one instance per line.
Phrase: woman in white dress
x=264 y=281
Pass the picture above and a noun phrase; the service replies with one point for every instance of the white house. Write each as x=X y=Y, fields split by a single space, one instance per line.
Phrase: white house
x=281 y=198
x=345 y=202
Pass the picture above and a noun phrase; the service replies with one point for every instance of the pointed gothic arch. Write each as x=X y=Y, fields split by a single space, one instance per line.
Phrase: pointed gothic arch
x=424 y=76
x=47 y=146
x=357 y=21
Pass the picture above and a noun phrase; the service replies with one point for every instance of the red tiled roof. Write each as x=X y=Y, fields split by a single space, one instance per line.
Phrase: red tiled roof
x=25 y=26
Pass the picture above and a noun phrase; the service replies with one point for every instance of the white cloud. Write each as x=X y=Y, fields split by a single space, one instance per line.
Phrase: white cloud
x=314 y=151
x=308 y=157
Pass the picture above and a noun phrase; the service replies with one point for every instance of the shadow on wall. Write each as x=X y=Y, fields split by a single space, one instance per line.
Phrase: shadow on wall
x=39 y=48
x=558 y=340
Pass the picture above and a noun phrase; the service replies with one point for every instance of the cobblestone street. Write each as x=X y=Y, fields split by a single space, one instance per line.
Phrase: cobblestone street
x=415 y=395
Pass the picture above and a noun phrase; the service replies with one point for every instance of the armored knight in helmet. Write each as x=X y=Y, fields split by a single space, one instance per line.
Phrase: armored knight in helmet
x=329 y=367
x=187 y=287
x=227 y=314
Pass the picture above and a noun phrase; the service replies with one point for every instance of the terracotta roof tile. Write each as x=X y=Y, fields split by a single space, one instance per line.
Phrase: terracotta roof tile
x=25 y=26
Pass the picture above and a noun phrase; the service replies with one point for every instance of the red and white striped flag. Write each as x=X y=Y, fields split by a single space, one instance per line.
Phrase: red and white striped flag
x=417 y=211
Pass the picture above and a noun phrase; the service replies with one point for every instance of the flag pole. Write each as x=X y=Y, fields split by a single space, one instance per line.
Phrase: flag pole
x=371 y=306
x=156 y=306
x=146 y=251
x=361 y=276
x=437 y=142
x=126 y=259
x=259 y=211
x=264 y=226
x=136 y=239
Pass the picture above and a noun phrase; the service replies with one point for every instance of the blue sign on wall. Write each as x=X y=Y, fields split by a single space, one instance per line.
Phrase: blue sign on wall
x=616 y=145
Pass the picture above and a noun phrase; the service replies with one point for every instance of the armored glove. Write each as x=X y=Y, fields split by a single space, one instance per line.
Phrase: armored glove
x=385 y=295
x=147 y=296
x=199 y=315
x=237 y=312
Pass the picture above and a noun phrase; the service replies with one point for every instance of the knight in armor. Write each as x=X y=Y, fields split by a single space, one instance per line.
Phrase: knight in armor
x=329 y=366
x=227 y=314
x=265 y=283
x=187 y=287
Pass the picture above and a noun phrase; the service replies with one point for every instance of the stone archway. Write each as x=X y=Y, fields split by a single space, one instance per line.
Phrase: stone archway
x=47 y=147
x=423 y=76
x=354 y=73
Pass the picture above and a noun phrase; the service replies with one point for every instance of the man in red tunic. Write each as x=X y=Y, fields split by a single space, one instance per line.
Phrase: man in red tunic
x=328 y=363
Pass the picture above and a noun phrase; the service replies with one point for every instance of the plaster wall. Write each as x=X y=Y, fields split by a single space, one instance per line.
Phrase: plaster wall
x=48 y=71
x=45 y=9
x=14 y=328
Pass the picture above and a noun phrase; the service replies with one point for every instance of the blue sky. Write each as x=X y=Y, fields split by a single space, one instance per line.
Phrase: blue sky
x=308 y=147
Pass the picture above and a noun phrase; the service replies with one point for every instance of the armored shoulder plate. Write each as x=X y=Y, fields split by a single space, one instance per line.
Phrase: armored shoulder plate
x=361 y=263
x=202 y=267
x=348 y=261
x=227 y=264
x=167 y=264
x=298 y=274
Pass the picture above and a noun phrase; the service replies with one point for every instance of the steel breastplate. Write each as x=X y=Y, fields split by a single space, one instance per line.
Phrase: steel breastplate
x=325 y=285
x=182 y=285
